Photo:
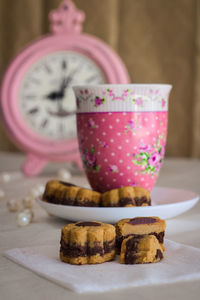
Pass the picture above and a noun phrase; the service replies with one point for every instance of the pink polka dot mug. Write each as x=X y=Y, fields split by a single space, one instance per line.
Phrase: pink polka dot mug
x=122 y=133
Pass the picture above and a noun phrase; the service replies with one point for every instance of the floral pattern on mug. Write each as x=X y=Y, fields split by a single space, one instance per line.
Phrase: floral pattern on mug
x=92 y=124
x=150 y=157
x=109 y=164
x=113 y=169
x=102 y=144
x=99 y=101
x=84 y=92
x=82 y=97
x=114 y=97
x=163 y=102
x=131 y=126
x=89 y=159
x=154 y=94
x=138 y=100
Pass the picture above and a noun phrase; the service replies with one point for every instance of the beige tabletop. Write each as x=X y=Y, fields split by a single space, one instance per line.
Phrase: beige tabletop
x=17 y=282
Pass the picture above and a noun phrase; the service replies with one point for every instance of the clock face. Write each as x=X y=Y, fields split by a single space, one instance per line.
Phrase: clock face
x=46 y=100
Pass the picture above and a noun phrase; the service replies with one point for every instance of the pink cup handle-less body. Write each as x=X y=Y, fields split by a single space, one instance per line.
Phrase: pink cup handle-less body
x=121 y=149
x=122 y=131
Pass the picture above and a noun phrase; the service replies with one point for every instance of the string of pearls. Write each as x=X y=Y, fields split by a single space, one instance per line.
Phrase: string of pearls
x=6 y=177
x=25 y=206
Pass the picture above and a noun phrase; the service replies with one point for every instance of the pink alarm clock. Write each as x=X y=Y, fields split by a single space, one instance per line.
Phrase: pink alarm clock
x=37 y=101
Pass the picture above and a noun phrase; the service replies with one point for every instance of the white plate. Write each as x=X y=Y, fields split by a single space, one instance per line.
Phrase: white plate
x=166 y=203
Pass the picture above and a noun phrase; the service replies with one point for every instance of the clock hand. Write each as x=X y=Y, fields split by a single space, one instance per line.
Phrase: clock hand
x=64 y=85
x=57 y=95
x=61 y=93
x=53 y=96
x=66 y=81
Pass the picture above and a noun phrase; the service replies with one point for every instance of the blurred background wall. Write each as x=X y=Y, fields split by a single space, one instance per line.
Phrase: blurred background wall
x=158 y=40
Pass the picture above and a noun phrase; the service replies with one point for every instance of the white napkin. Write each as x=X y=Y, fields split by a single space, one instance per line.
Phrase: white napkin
x=181 y=263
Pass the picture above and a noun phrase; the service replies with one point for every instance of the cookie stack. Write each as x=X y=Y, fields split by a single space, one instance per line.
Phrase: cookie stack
x=138 y=240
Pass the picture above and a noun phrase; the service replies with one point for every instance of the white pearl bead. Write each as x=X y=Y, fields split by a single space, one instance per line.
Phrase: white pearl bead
x=5 y=177
x=40 y=188
x=13 y=205
x=64 y=174
x=24 y=218
x=29 y=212
x=33 y=193
x=2 y=194
x=28 y=201
x=37 y=191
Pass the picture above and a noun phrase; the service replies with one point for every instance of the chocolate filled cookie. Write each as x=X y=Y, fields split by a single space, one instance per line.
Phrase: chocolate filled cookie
x=59 y=192
x=126 y=196
x=139 y=227
x=140 y=250
x=87 y=243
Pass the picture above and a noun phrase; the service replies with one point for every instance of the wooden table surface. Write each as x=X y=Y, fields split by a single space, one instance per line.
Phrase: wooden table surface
x=19 y=283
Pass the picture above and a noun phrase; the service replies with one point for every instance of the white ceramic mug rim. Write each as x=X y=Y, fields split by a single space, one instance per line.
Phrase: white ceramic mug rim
x=150 y=103
x=122 y=85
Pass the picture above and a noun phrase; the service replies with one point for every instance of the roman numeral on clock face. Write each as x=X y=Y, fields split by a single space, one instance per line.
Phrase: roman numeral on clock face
x=33 y=110
x=64 y=65
x=44 y=123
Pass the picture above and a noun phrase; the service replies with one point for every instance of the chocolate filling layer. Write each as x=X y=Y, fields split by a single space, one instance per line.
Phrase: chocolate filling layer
x=142 y=200
x=72 y=250
x=132 y=201
x=126 y=201
x=159 y=254
x=132 y=249
x=70 y=201
x=88 y=224
x=76 y=250
x=143 y=220
x=86 y=202
x=58 y=200
x=119 y=240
